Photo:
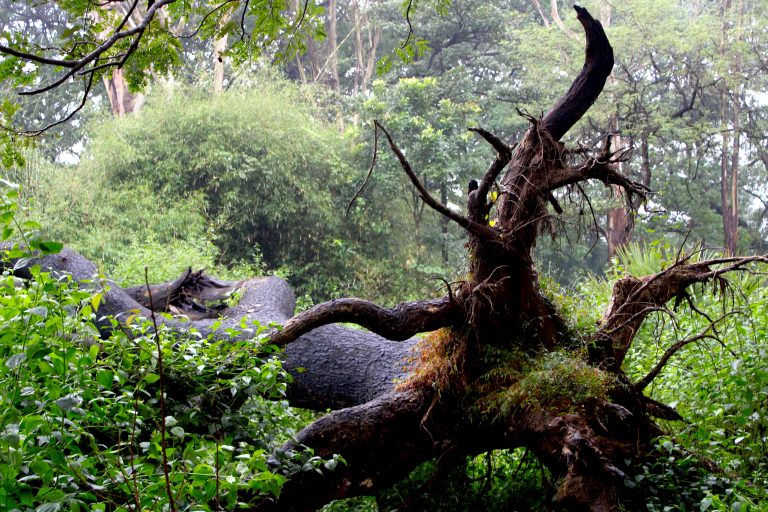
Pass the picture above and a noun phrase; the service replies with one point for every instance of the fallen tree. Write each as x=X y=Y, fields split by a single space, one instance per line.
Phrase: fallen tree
x=472 y=383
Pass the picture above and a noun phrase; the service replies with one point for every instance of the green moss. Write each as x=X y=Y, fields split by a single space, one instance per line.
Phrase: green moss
x=579 y=312
x=557 y=380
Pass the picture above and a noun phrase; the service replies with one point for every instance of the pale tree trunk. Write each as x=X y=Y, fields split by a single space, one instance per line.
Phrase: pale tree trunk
x=357 y=20
x=366 y=56
x=365 y=48
x=297 y=9
x=544 y=18
x=729 y=158
x=121 y=100
x=333 y=57
x=219 y=47
x=555 y=13
x=333 y=60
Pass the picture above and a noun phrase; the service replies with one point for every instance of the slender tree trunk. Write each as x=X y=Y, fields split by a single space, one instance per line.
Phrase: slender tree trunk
x=620 y=219
x=374 y=38
x=333 y=58
x=444 y=225
x=357 y=20
x=219 y=47
x=645 y=165
x=121 y=100
x=540 y=10
x=731 y=132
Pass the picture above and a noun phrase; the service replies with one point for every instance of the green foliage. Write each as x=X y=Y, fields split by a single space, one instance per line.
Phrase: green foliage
x=557 y=380
x=718 y=384
x=82 y=420
x=135 y=421
x=499 y=480
x=261 y=186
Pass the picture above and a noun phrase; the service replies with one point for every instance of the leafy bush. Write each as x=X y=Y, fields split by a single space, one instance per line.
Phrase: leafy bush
x=718 y=384
x=137 y=421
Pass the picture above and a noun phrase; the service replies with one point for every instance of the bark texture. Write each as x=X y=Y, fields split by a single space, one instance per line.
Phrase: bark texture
x=332 y=366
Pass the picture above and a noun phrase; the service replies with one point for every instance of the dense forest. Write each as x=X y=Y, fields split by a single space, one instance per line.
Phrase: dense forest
x=553 y=219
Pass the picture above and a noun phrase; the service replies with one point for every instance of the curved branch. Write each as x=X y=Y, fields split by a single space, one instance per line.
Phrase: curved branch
x=76 y=65
x=471 y=226
x=643 y=383
x=594 y=169
x=396 y=324
x=635 y=298
x=381 y=442
x=588 y=85
x=70 y=115
x=477 y=207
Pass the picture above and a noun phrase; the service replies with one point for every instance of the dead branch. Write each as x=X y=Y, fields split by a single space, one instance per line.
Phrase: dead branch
x=634 y=299
x=595 y=169
x=588 y=85
x=370 y=170
x=643 y=383
x=396 y=324
x=478 y=206
x=471 y=226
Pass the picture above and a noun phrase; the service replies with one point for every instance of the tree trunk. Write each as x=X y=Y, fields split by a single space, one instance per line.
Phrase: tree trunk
x=333 y=48
x=219 y=47
x=731 y=135
x=121 y=100
x=620 y=218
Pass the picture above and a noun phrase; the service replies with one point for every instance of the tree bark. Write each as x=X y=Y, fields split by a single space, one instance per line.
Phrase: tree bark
x=121 y=100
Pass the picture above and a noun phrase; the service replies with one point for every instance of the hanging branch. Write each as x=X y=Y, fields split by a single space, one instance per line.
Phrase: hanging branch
x=76 y=65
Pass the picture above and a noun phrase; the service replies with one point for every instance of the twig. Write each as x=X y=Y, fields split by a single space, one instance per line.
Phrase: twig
x=643 y=383
x=473 y=227
x=163 y=450
x=35 y=133
x=370 y=169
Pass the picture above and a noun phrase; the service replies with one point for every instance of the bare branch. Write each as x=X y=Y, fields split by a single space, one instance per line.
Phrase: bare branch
x=36 y=58
x=643 y=383
x=503 y=156
x=555 y=12
x=396 y=324
x=593 y=168
x=86 y=92
x=205 y=18
x=370 y=169
x=588 y=85
x=472 y=226
x=634 y=299
x=76 y=65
